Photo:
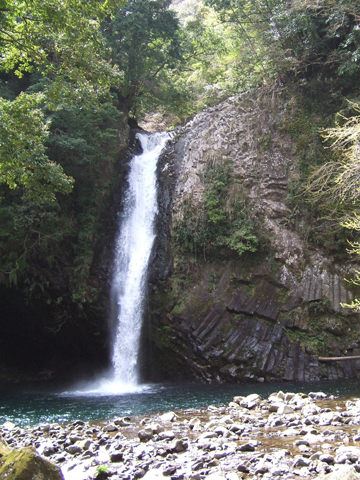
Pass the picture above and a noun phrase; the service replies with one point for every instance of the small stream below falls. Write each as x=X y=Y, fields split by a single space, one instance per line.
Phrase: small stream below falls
x=31 y=408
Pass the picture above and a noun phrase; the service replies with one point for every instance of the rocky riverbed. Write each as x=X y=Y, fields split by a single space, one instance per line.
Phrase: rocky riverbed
x=285 y=436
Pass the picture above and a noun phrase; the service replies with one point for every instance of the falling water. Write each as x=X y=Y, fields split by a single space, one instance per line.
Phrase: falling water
x=133 y=250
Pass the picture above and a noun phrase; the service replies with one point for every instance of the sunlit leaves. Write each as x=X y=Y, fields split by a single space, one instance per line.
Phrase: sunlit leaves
x=61 y=39
x=340 y=179
x=23 y=161
x=144 y=40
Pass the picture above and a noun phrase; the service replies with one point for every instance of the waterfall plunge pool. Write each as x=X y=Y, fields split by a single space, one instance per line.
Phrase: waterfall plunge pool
x=36 y=407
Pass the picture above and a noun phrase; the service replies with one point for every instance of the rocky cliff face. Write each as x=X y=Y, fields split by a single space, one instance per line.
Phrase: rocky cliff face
x=220 y=316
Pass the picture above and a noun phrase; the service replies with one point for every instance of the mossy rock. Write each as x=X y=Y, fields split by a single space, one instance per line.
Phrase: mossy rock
x=4 y=450
x=26 y=464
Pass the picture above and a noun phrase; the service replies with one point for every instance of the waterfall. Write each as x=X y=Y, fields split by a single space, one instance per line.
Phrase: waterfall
x=133 y=249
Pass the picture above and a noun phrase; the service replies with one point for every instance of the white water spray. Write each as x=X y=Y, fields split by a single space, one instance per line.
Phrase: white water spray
x=133 y=251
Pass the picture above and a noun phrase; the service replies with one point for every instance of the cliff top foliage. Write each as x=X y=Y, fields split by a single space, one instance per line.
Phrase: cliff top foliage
x=72 y=72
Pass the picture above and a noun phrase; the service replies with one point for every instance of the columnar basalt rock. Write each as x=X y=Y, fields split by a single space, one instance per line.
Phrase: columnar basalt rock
x=267 y=315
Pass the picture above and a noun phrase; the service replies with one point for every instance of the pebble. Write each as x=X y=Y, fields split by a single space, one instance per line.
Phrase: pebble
x=286 y=436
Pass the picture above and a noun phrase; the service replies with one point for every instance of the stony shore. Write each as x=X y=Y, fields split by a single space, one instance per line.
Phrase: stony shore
x=285 y=436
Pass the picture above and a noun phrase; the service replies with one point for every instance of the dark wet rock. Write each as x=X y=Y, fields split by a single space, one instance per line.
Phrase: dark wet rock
x=116 y=457
x=110 y=428
x=178 y=446
x=247 y=447
x=145 y=434
x=169 y=470
x=242 y=303
x=73 y=449
x=301 y=462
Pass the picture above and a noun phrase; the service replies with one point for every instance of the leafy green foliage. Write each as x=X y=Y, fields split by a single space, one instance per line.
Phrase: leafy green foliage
x=340 y=180
x=242 y=240
x=214 y=226
x=41 y=242
x=64 y=41
x=305 y=40
x=144 y=39
x=23 y=161
x=57 y=37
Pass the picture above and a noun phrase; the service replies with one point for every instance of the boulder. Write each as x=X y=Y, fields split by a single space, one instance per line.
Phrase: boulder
x=341 y=472
x=4 y=450
x=251 y=401
x=310 y=409
x=122 y=422
x=301 y=462
x=344 y=453
x=116 y=457
x=110 y=428
x=178 y=446
x=72 y=449
x=85 y=444
x=284 y=410
x=145 y=434
x=327 y=458
x=8 y=426
x=168 y=417
x=274 y=407
x=26 y=464
x=167 y=435
x=317 y=395
x=169 y=470
x=156 y=427
x=247 y=447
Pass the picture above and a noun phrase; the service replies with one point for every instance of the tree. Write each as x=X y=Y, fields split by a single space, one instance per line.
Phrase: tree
x=144 y=40
x=300 y=39
x=63 y=41
x=340 y=180
x=55 y=37
x=23 y=160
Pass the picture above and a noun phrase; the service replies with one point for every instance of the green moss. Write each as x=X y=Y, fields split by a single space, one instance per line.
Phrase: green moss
x=319 y=306
x=163 y=337
x=179 y=307
x=4 y=450
x=213 y=282
x=292 y=314
x=25 y=464
x=283 y=295
x=264 y=142
x=219 y=222
x=225 y=329
x=315 y=342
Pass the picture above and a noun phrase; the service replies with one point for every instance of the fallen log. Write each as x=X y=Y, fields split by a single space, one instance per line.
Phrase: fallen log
x=337 y=359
